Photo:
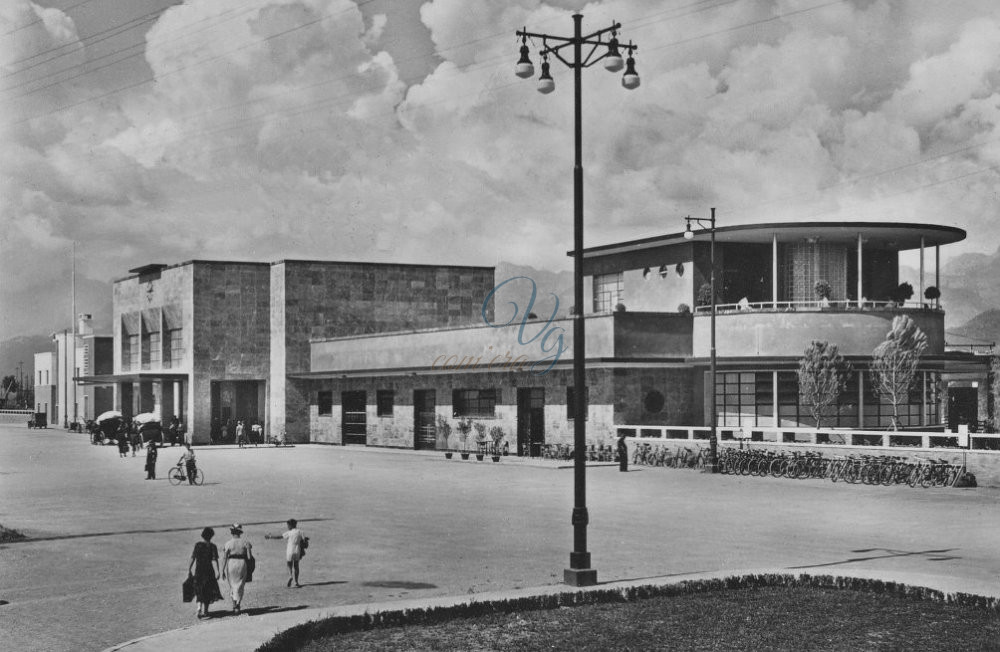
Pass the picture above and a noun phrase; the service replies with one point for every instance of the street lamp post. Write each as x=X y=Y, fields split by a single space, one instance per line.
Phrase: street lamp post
x=713 y=443
x=579 y=572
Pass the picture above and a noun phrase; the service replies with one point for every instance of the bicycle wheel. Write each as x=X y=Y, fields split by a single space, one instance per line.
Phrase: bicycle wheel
x=175 y=476
x=199 y=476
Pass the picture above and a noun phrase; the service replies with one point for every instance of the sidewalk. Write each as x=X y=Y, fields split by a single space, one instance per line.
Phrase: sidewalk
x=246 y=633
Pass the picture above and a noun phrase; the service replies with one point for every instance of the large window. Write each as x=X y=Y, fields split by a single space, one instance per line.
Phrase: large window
x=607 y=291
x=474 y=402
x=175 y=347
x=744 y=398
x=384 y=399
x=151 y=351
x=130 y=353
x=324 y=401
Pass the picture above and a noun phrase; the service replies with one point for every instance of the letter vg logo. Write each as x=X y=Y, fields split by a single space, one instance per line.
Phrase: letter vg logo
x=549 y=337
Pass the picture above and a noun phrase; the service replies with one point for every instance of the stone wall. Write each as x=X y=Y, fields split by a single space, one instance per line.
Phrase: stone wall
x=335 y=299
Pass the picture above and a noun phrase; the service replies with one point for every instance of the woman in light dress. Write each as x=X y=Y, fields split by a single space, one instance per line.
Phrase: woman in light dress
x=236 y=564
x=293 y=551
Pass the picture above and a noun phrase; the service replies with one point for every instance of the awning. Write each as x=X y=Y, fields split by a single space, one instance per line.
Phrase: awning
x=138 y=377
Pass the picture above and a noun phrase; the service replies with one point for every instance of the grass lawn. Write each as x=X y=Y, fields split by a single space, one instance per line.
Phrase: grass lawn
x=768 y=618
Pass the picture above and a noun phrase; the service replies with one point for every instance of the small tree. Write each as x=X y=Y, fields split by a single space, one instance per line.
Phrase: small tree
x=704 y=294
x=464 y=427
x=894 y=362
x=822 y=377
x=443 y=430
x=823 y=290
x=994 y=380
x=903 y=293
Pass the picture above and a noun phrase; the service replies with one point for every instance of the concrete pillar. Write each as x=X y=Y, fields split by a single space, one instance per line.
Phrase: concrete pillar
x=177 y=400
x=920 y=296
x=860 y=267
x=937 y=273
x=861 y=400
x=774 y=277
x=774 y=399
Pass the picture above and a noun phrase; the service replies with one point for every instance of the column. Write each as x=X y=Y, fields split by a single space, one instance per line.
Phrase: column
x=177 y=399
x=860 y=267
x=774 y=278
x=920 y=297
x=774 y=400
x=937 y=274
x=861 y=400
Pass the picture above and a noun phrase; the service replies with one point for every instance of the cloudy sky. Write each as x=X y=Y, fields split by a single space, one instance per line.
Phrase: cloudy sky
x=150 y=131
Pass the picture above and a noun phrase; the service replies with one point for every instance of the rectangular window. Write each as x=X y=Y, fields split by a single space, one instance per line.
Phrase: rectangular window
x=607 y=291
x=474 y=402
x=151 y=350
x=130 y=353
x=571 y=401
x=46 y=376
x=325 y=402
x=384 y=399
x=174 y=348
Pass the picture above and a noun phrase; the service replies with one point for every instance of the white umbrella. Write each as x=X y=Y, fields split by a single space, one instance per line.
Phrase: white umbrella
x=146 y=417
x=110 y=414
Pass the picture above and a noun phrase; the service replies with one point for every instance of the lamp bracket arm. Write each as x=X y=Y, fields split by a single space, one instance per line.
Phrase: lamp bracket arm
x=560 y=57
x=545 y=36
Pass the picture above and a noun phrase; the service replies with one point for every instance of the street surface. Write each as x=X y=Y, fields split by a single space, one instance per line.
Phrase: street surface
x=109 y=550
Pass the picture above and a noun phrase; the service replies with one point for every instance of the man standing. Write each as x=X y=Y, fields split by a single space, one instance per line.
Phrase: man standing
x=151 y=454
x=622 y=454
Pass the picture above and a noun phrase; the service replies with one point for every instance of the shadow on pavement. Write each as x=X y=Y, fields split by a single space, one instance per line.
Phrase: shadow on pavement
x=931 y=555
x=192 y=528
x=325 y=583
x=393 y=584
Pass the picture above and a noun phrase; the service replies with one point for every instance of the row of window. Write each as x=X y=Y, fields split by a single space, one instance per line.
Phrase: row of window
x=747 y=399
x=147 y=351
x=464 y=402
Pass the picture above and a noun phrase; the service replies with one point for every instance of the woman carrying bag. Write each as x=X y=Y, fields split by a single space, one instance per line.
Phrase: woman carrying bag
x=238 y=564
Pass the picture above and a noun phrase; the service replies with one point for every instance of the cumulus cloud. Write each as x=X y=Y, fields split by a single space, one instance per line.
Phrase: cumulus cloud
x=282 y=129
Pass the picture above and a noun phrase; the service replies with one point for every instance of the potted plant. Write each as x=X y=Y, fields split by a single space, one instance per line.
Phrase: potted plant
x=464 y=427
x=823 y=291
x=932 y=294
x=496 y=434
x=480 y=439
x=444 y=432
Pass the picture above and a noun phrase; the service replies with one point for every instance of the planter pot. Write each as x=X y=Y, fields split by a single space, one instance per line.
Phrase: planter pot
x=465 y=456
x=479 y=458
x=496 y=458
x=447 y=455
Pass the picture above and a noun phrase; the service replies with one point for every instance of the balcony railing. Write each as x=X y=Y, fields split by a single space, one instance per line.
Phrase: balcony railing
x=814 y=306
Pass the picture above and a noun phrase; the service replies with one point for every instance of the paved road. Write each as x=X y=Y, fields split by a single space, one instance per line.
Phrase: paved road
x=109 y=549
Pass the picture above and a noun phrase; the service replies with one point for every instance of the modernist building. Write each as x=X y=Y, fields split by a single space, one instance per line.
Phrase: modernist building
x=66 y=393
x=402 y=355
x=648 y=352
x=212 y=342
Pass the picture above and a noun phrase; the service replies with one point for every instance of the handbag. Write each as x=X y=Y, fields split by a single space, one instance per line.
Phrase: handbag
x=303 y=546
x=187 y=589
x=251 y=566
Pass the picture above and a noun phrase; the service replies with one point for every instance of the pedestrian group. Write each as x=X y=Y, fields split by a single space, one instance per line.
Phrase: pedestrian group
x=237 y=566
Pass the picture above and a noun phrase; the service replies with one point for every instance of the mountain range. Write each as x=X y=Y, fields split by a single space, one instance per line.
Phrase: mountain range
x=970 y=295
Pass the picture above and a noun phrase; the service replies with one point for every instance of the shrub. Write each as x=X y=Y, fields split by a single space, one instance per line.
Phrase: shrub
x=684 y=309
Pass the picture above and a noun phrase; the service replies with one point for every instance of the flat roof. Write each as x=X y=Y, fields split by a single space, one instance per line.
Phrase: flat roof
x=898 y=236
x=146 y=269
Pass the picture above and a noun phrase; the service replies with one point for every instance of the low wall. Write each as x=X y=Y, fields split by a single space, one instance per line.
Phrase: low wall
x=984 y=464
x=15 y=417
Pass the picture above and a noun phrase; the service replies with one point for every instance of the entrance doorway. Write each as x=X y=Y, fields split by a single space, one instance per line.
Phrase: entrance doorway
x=353 y=418
x=424 y=419
x=963 y=408
x=530 y=421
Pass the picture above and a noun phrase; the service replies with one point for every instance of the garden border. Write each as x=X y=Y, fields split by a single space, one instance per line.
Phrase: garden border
x=297 y=636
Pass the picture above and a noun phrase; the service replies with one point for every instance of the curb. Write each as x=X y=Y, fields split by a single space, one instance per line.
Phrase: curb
x=272 y=632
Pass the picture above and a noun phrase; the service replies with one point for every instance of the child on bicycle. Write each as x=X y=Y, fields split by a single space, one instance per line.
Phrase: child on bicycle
x=187 y=459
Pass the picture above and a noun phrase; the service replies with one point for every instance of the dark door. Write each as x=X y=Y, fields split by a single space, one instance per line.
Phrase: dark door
x=424 y=419
x=963 y=408
x=530 y=421
x=354 y=425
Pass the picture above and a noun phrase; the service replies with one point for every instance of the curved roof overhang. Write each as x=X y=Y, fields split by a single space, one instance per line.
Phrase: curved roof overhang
x=896 y=236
